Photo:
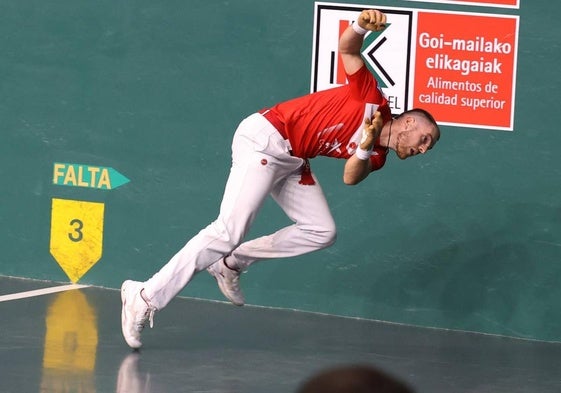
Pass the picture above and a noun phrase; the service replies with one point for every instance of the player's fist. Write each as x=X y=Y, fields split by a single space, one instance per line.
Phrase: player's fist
x=371 y=130
x=372 y=20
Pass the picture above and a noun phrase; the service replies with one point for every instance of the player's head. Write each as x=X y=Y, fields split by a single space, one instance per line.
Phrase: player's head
x=353 y=379
x=416 y=132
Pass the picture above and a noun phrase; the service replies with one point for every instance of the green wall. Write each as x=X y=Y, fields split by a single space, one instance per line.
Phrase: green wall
x=466 y=237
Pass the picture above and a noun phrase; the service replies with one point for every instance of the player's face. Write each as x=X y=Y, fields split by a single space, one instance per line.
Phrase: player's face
x=417 y=140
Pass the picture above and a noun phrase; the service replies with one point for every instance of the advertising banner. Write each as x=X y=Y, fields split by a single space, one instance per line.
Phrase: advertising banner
x=465 y=75
x=459 y=66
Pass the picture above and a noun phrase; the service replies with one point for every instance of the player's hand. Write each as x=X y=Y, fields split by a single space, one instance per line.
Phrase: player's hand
x=372 y=20
x=371 y=130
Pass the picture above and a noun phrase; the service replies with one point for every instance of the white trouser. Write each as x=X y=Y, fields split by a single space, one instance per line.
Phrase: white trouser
x=261 y=166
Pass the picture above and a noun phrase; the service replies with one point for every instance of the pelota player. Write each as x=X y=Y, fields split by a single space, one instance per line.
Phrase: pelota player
x=270 y=153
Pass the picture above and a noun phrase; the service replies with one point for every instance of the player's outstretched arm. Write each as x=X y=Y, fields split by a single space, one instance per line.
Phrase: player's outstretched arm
x=351 y=40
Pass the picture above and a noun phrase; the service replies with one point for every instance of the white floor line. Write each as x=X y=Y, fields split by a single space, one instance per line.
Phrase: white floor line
x=40 y=292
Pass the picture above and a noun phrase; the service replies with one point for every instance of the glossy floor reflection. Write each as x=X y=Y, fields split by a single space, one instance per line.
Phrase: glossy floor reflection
x=71 y=342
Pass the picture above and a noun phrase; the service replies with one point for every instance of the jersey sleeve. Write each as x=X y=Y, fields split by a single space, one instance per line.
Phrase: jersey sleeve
x=364 y=86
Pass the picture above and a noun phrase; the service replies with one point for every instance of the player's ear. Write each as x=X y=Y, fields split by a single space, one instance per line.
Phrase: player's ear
x=409 y=122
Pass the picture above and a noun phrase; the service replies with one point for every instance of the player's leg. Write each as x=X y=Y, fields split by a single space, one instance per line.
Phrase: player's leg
x=313 y=228
x=259 y=160
x=250 y=181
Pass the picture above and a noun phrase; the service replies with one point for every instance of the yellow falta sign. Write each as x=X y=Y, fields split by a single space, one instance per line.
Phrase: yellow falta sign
x=76 y=235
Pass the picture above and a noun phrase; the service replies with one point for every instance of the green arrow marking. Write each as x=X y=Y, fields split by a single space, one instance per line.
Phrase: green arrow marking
x=117 y=178
x=90 y=176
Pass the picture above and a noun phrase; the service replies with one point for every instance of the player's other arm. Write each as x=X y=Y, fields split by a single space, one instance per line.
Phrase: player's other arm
x=359 y=166
x=351 y=40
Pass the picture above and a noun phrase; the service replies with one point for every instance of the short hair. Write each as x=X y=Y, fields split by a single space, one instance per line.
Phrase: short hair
x=426 y=115
x=353 y=379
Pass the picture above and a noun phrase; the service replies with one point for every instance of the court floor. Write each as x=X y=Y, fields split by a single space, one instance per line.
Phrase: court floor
x=70 y=341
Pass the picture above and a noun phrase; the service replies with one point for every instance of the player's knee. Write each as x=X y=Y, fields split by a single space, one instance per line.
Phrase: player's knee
x=325 y=236
x=330 y=236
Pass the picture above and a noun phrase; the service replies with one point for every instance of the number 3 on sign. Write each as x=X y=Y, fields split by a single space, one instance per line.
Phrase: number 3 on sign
x=76 y=235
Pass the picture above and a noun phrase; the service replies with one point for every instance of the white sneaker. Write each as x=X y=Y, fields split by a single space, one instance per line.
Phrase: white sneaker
x=135 y=313
x=228 y=281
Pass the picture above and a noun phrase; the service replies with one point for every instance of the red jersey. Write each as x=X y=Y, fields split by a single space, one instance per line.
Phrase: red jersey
x=330 y=122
